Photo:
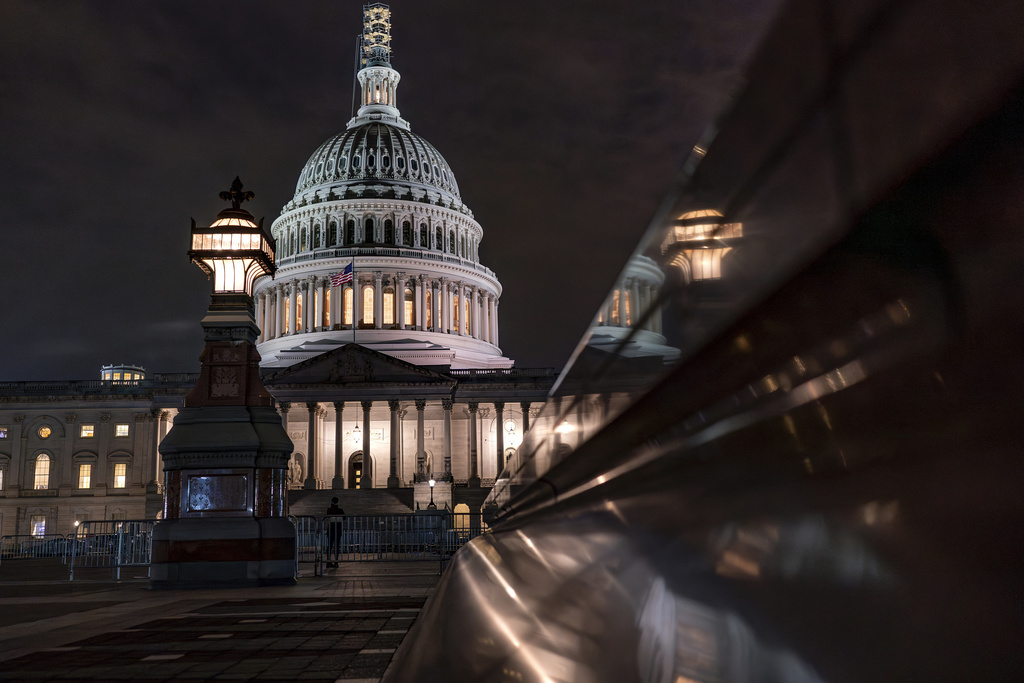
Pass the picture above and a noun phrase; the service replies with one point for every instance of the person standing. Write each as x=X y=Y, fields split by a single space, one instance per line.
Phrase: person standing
x=333 y=533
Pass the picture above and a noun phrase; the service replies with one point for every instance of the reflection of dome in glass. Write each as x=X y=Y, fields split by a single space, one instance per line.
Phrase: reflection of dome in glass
x=378 y=153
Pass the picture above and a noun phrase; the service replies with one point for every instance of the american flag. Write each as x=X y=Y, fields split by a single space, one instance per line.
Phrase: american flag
x=338 y=279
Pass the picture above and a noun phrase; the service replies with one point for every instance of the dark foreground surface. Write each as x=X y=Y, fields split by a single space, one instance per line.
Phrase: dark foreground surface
x=342 y=626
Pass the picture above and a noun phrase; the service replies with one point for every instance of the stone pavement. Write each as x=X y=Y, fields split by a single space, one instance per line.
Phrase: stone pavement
x=344 y=626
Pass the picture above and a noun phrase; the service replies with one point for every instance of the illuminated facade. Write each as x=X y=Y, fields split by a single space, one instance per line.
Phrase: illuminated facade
x=383 y=381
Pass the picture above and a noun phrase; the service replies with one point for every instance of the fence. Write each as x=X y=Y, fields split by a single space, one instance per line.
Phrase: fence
x=25 y=547
x=375 y=538
x=111 y=544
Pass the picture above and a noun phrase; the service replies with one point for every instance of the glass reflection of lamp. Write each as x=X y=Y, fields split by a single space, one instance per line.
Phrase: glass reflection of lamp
x=432 y=506
x=564 y=428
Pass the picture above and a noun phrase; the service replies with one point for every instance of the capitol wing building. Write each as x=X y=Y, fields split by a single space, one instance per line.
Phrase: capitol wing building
x=379 y=339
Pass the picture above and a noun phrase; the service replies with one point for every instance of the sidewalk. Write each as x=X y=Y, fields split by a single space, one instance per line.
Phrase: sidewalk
x=344 y=626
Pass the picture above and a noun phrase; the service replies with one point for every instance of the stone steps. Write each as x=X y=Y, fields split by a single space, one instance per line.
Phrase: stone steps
x=352 y=501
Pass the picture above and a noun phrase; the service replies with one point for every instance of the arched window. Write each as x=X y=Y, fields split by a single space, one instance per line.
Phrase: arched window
x=332 y=233
x=350 y=232
x=451 y=241
x=438 y=239
x=317 y=236
x=465 y=317
x=327 y=308
x=388 y=313
x=368 y=305
x=430 y=310
x=298 y=313
x=410 y=308
x=423 y=236
x=287 y=317
x=295 y=242
x=348 y=306
x=462 y=246
x=368 y=235
x=455 y=313
x=42 y=472
x=389 y=232
x=302 y=239
x=407 y=233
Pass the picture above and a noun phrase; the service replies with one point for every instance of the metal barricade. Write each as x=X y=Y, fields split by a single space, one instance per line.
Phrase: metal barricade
x=33 y=547
x=308 y=544
x=111 y=544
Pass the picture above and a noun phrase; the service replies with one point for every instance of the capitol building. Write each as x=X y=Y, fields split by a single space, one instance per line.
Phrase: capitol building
x=379 y=342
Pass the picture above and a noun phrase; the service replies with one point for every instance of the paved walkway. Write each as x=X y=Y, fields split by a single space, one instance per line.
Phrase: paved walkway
x=344 y=626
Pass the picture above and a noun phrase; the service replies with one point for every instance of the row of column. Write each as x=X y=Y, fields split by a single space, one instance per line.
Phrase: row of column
x=316 y=413
x=438 y=306
x=627 y=304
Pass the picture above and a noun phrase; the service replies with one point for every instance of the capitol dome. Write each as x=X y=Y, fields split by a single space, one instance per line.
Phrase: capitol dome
x=378 y=153
x=377 y=247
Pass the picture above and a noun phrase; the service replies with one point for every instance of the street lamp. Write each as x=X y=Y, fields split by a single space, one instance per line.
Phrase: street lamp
x=234 y=250
x=432 y=506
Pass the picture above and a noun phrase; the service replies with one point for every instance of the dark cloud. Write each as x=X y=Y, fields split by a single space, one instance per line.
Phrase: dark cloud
x=564 y=122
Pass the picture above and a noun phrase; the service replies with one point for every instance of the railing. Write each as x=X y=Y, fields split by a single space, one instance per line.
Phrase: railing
x=111 y=544
x=32 y=547
x=98 y=386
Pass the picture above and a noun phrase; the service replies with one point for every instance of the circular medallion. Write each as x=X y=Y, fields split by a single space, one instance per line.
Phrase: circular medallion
x=44 y=432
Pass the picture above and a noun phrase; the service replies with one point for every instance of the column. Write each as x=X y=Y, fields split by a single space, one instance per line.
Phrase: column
x=293 y=292
x=400 y=300
x=447 y=405
x=494 y=323
x=318 y=312
x=396 y=437
x=283 y=407
x=499 y=428
x=279 y=311
x=622 y=304
x=268 y=309
x=366 y=481
x=417 y=283
x=475 y=309
x=260 y=300
x=474 y=475
x=634 y=303
x=435 y=306
x=378 y=299
x=338 y=482
x=460 y=314
x=442 y=301
x=421 y=453
x=309 y=309
x=525 y=407
x=485 y=324
x=311 y=464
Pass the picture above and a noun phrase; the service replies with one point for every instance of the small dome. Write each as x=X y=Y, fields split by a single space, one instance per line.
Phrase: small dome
x=379 y=153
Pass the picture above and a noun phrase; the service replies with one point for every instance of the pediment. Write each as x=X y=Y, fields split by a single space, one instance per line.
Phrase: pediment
x=355 y=365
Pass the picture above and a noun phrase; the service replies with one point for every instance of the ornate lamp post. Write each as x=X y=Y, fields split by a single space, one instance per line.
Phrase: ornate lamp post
x=432 y=482
x=226 y=456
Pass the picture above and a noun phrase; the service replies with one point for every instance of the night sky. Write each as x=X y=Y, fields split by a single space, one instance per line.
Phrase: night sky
x=565 y=124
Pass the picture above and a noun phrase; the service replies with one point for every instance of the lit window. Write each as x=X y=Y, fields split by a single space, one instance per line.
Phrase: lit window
x=121 y=430
x=42 y=474
x=37 y=525
x=88 y=431
x=117 y=376
x=615 y=307
x=348 y=306
x=410 y=310
x=120 y=474
x=44 y=432
x=466 y=330
x=298 y=313
x=287 y=317
x=389 y=307
x=455 y=313
x=3 y=432
x=1 y=479
x=430 y=310
x=367 y=305
x=327 y=307
x=84 y=476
